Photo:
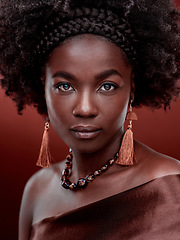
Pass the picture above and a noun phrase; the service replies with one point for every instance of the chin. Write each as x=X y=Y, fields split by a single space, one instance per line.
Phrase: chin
x=87 y=147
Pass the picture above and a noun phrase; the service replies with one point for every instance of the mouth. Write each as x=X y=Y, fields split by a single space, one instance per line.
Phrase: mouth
x=85 y=132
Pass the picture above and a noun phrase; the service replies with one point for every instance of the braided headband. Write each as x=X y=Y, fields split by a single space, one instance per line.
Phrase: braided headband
x=93 y=21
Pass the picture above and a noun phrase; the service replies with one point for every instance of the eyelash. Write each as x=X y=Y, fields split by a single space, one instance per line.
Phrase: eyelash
x=109 y=84
x=60 y=87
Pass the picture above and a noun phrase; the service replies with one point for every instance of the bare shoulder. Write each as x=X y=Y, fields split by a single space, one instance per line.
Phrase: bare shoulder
x=155 y=164
x=32 y=192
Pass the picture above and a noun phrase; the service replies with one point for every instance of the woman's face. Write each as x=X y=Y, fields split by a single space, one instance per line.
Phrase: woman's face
x=87 y=90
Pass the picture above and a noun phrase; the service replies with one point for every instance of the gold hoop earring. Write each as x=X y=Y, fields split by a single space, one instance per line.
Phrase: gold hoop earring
x=126 y=152
x=44 y=159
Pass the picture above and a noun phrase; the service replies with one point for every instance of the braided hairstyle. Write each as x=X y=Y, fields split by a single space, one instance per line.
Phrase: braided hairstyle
x=146 y=30
x=85 y=20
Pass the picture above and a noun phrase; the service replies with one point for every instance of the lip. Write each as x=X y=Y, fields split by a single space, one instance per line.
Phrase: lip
x=85 y=132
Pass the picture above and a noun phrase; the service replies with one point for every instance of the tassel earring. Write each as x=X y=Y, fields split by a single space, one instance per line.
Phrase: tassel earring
x=126 y=152
x=45 y=158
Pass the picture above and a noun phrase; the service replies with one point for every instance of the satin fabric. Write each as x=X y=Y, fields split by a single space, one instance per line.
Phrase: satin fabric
x=148 y=212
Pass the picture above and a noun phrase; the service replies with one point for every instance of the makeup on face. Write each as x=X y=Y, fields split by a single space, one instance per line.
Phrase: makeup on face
x=87 y=90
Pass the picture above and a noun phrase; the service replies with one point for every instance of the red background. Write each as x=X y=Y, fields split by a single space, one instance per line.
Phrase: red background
x=21 y=138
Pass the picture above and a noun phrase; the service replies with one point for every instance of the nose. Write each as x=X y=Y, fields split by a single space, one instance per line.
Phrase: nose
x=85 y=106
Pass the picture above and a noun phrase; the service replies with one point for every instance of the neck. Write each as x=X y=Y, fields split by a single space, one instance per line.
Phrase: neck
x=87 y=163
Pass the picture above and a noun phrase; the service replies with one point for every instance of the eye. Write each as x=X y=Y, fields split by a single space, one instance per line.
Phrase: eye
x=108 y=87
x=64 y=87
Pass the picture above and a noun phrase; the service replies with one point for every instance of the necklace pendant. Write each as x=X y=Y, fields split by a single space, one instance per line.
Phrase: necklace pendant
x=82 y=183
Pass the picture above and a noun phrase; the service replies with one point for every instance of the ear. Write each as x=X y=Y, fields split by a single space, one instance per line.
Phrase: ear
x=132 y=88
x=47 y=118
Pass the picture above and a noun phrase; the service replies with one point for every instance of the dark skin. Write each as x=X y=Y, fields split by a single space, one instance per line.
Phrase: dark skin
x=88 y=83
x=90 y=88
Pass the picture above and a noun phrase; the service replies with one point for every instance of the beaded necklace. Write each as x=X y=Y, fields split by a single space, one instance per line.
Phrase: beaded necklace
x=82 y=182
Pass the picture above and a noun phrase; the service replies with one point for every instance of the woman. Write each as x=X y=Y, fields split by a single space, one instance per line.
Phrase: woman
x=84 y=65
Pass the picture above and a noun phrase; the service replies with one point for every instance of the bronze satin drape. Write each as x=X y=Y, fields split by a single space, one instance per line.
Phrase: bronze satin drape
x=148 y=212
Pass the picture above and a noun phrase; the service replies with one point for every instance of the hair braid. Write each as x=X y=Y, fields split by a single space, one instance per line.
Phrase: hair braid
x=146 y=30
x=93 y=21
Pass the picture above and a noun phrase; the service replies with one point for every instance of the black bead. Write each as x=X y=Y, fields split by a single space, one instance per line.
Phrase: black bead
x=69 y=157
x=104 y=168
x=90 y=178
x=97 y=173
x=82 y=183
x=63 y=178
x=66 y=184
x=68 y=165
x=73 y=186
x=116 y=155
x=110 y=162
x=65 y=172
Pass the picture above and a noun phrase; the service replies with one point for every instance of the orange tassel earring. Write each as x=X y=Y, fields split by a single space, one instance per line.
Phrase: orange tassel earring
x=45 y=158
x=126 y=152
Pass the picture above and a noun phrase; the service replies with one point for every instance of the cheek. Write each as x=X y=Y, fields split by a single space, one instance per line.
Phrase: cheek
x=115 y=107
x=59 y=116
x=59 y=109
x=116 y=113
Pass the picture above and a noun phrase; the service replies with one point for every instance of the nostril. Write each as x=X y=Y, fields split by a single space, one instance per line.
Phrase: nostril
x=80 y=113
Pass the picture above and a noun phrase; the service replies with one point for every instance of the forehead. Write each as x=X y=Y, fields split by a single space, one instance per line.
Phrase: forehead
x=90 y=43
x=87 y=51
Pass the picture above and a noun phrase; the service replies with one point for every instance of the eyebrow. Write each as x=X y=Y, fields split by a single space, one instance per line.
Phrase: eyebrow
x=64 y=75
x=99 y=76
x=107 y=73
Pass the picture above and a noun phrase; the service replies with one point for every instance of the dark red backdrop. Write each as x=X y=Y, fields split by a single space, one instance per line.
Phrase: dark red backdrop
x=20 y=142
